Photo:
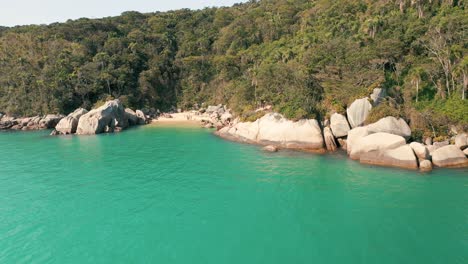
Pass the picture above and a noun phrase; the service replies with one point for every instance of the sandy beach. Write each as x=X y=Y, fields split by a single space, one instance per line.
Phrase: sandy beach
x=179 y=119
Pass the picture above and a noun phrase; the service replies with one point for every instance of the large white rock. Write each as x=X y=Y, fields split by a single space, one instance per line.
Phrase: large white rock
x=274 y=129
x=425 y=165
x=402 y=157
x=449 y=156
x=376 y=142
x=354 y=135
x=391 y=125
x=461 y=141
x=103 y=119
x=420 y=150
x=247 y=131
x=339 y=125
x=304 y=133
x=68 y=124
x=358 y=112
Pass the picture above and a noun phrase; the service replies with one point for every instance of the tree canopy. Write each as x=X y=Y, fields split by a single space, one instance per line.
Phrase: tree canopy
x=305 y=58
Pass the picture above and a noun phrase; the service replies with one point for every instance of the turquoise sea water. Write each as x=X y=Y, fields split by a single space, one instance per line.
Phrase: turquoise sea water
x=182 y=195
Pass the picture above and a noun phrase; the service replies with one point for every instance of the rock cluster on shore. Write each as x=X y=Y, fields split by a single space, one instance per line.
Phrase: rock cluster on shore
x=274 y=129
x=211 y=117
x=108 y=118
x=383 y=143
x=29 y=123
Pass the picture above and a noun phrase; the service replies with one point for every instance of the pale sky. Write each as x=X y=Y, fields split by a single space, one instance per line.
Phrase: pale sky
x=25 y=12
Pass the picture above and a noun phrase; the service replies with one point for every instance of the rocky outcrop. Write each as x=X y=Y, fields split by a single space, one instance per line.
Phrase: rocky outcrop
x=401 y=157
x=343 y=143
x=449 y=156
x=375 y=142
x=131 y=116
x=29 y=123
x=141 y=117
x=387 y=125
x=358 y=112
x=69 y=124
x=425 y=166
x=270 y=148
x=354 y=135
x=215 y=109
x=466 y=152
x=339 y=125
x=391 y=125
x=378 y=94
x=108 y=118
x=274 y=129
x=226 y=117
x=330 y=141
x=420 y=150
x=461 y=141
x=50 y=121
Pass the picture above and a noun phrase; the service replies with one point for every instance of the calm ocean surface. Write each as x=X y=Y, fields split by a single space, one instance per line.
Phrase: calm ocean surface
x=182 y=195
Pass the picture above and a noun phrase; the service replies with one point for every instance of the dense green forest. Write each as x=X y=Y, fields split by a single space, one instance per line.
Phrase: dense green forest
x=305 y=57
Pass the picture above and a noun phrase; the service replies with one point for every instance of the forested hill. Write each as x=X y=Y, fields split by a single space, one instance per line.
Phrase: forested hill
x=304 y=57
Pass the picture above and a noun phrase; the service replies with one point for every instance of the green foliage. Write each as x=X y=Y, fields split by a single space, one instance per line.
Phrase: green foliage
x=305 y=58
x=384 y=109
x=455 y=109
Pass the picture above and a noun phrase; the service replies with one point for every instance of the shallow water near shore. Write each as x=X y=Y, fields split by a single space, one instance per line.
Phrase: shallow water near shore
x=181 y=195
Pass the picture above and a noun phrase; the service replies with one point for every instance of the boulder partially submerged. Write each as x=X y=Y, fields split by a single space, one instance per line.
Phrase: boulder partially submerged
x=401 y=157
x=107 y=118
x=29 y=123
x=375 y=142
x=420 y=150
x=274 y=129
x=449 y=156
x=69 y=124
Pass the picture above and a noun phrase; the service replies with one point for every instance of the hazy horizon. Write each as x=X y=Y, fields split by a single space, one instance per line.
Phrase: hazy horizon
x=30 y=12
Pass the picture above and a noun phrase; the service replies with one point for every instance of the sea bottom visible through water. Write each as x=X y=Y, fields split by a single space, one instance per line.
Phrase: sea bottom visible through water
x=182 y=195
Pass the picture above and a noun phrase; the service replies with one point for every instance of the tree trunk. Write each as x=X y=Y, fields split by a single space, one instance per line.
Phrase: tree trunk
x=465 y=84
x=417 y=90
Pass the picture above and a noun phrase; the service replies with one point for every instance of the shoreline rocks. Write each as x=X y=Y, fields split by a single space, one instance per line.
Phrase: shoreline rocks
x=382 y=143
x=401 y=157
x=449 y=157
x=376 y=142
x=69 y=124
x=108 y=118
x=274 y=129
x=29 y=123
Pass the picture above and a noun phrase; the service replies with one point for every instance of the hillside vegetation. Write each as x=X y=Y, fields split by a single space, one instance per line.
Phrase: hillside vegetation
x=306 y=58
